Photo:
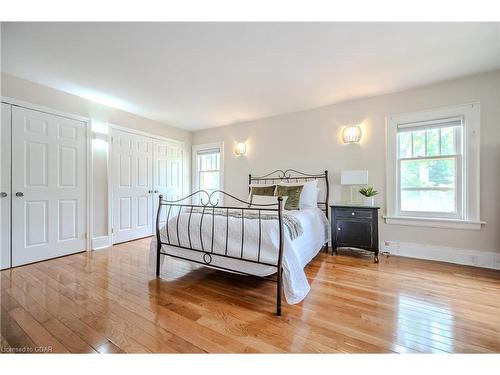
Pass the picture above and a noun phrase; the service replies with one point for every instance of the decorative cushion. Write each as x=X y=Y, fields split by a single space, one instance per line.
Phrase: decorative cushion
x=293 y=194
x=267 y=190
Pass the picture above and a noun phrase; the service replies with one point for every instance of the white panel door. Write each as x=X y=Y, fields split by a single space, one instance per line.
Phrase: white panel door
x=132 y=184
x=168 y=173
x=5 y=196
x=48 y=186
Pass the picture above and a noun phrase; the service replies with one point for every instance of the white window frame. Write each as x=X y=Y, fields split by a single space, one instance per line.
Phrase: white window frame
x=468 y=216
x=196 y=174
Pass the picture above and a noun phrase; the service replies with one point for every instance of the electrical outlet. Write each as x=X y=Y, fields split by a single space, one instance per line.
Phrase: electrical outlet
x=390 y=247
x=392 y=244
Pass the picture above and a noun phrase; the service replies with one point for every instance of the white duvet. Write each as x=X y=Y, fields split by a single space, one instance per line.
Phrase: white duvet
x=297 y=253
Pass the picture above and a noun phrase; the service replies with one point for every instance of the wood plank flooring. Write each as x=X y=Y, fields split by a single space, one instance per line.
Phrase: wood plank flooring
x=110 y=302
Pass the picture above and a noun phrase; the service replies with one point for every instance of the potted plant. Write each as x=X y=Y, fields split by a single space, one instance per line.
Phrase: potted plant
x=369 y=195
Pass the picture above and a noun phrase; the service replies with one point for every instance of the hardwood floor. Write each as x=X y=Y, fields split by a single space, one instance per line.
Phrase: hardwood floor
x=110 y=302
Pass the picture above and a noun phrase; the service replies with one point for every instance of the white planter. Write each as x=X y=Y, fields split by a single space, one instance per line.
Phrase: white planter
x=369 y=201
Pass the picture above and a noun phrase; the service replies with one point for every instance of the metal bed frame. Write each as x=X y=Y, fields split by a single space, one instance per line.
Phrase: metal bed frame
x=208 y=208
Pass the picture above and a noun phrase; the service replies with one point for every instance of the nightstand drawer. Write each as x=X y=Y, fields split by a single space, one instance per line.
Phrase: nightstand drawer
x=353 y=213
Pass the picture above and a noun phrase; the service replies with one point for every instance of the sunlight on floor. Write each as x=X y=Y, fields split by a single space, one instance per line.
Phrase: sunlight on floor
x=416 y=316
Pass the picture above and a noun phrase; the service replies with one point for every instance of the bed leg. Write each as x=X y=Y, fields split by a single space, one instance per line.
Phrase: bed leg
x=158 y=248
x=278 y=296
x=158 y=237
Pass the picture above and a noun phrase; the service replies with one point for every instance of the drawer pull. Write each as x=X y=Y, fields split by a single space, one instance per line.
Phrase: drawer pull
x=352 y=213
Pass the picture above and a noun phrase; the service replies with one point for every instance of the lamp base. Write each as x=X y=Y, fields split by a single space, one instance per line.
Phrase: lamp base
x=354 y=195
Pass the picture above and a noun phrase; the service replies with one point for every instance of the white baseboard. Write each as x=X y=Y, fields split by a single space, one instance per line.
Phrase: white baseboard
x=102 y=242
x=467 y=257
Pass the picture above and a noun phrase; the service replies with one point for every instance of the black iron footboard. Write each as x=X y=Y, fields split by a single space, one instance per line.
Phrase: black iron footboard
x=208 y=206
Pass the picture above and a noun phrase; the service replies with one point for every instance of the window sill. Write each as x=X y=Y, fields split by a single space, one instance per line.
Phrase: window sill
x=434 y=222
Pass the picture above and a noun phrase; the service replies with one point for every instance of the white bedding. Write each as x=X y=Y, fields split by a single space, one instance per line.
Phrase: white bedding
x=297 y=253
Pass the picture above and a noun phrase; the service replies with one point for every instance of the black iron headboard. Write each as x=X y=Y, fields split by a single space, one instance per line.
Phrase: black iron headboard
x=291 y=175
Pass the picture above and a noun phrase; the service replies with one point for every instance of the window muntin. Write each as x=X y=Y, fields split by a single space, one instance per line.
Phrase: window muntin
x=430 y=168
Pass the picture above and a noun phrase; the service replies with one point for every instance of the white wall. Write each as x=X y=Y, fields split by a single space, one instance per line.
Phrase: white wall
x=310 y=141
x=34 y=93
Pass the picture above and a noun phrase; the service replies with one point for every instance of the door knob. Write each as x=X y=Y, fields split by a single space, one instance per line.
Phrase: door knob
x=19 y=194
x=3 y=194
x=156 y=191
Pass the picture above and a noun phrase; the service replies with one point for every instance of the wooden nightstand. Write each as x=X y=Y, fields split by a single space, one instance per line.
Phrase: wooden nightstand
x=355 y=226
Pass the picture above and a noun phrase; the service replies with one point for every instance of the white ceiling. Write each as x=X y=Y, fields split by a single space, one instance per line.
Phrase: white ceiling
x=201 y=75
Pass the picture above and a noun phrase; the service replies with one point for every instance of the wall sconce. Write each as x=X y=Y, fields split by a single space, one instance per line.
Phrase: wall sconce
x=99 y=127
x=241 y=149
x=100 y=141
x=351 y=134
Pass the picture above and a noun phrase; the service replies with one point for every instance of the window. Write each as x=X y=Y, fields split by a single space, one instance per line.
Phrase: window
x=433 y=168
x=208 y=171
x=430 y=168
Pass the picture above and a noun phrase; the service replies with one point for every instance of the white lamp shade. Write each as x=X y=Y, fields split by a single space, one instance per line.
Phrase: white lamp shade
x=354 y=177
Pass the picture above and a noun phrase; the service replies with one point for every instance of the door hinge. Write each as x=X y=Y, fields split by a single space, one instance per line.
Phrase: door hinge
x=112 y=230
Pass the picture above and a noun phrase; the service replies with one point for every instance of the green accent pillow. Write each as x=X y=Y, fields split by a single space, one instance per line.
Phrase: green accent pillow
x=267 y=190
x=293 y=194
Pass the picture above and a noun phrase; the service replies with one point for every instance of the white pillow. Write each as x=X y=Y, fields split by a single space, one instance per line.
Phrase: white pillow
x=308 y=195
x=265 y=199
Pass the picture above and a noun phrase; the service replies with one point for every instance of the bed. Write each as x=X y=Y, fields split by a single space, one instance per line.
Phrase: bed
x=248 y=238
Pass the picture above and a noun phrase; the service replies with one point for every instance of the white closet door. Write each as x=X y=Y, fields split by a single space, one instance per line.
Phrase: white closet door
x=168 y=173
x=5 y=196
x=132 y=181
x=48 y=186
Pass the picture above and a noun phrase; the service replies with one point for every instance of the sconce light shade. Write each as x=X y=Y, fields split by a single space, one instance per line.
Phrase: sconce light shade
x=241 y=149
x=351 y=134
x=99 y=127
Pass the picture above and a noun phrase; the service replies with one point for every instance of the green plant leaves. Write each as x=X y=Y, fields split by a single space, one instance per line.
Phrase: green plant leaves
x=368 y=191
